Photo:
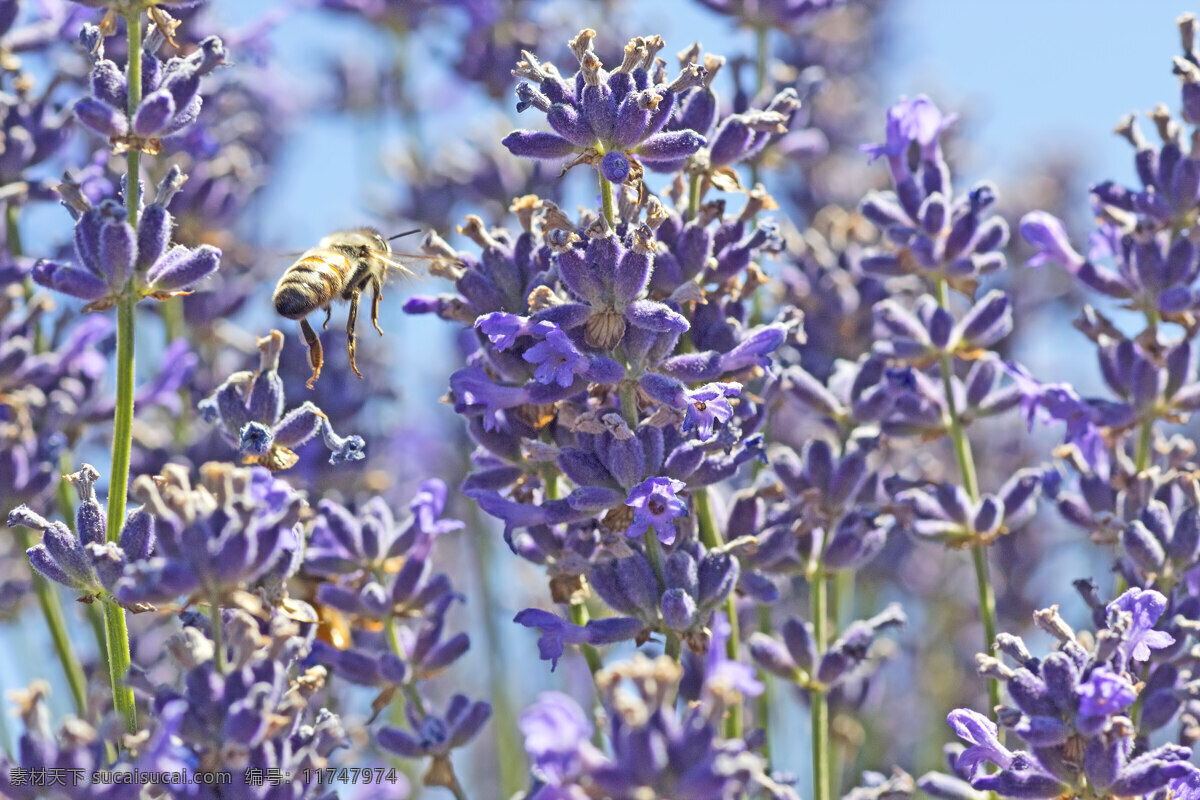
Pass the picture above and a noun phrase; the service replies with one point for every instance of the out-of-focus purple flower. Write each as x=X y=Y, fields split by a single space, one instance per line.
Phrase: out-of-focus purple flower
x=1085 y=419
x=722 y=674
x=236 y=526
x=771 y=16
x=555 y=728
x=916 y=121
x=655 y=504
x=1047 y=233
x=435 y=736
x=557 y=632
x=170 y=91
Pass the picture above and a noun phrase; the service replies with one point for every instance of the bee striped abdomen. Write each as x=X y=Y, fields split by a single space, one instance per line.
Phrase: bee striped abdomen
x=311 y=283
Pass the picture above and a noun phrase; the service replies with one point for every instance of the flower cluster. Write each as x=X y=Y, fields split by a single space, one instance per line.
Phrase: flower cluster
x=739 y=412
x=1075 y=708
x=116 y=257
x=656 y=751
x=248 y=410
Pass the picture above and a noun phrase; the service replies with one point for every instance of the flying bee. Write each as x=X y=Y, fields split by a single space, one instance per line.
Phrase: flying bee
x=341 y=267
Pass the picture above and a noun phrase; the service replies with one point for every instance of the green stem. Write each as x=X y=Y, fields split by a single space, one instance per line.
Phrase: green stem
x=767 y=699
x=654 y=555
x=606 y=201
x=117 y=642
x=1145 y=439
x=762 y=55
x=117 y=637
x=704 y=520
x=56 y=623
x=579 y=616
x=733 y=722
x=6 y=740
x=218 y=637
x=693 y=195
x=843 y=593
x=133 y=79
x=12 y=231
x=820 y=701
x=550 y=479
x=711 y=539
x=629 y=404
x=174 y=328
x=966 y=466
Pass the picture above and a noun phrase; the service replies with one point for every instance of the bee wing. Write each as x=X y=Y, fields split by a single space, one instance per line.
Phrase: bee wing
x=392 y=260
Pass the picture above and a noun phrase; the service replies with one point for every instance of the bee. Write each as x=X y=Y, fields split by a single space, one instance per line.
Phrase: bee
x=341 y=267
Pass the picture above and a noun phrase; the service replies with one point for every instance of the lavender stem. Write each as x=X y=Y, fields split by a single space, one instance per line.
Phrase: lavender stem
x=114 y=616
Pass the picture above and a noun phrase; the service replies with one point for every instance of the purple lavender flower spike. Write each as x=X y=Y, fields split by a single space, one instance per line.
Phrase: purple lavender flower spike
x=170 y=93
x=199 y=546
x=436 y=736
x=111 y=253
x=609 y=119
x=248 y=409
x=656 y=505
x=85 y=561
x=1049 y=236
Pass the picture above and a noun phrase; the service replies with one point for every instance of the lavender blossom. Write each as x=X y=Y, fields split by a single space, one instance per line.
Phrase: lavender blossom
x=612 y=119
x=170 y=92
x=249 y=410
x=115 y=258
x=86 y=561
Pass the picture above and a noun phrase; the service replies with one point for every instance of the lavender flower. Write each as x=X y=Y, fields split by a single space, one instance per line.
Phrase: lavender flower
x=115 y=258
x=612 y=119
x=693 y=760
x=435 y=736
x=557 y=632
x=235 y=527
x=1072 y=699
x=655 y=505
x=248 y=407
x=170 y=92
x=86 y=561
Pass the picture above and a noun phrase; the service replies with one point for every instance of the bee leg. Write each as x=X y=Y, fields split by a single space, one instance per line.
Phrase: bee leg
x=315 y=357
x=376 y=294
x=328 y=314
x=351 y=322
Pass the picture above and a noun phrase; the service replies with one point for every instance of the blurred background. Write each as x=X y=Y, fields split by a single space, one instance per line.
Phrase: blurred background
x=390 y=113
